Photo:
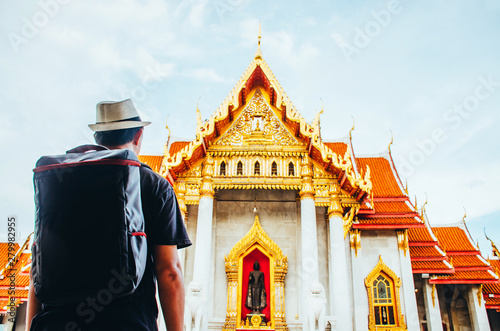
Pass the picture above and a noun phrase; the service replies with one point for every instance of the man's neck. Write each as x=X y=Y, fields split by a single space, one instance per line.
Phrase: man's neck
x=130 y=146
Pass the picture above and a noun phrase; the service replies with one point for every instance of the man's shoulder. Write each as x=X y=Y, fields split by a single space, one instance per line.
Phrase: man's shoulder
x=151 y=178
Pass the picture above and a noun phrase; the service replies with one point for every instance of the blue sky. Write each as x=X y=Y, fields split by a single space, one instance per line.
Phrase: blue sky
x=427 y=70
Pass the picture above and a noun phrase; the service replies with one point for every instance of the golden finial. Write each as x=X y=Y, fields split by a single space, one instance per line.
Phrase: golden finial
x=315 y=122
x=166 y=152
x=416 y=207
x=392 y=140
x=352 y=129
x=423 y=207
x=406 y=186
x=199 y=122
x=465 y=215
x=258 y=53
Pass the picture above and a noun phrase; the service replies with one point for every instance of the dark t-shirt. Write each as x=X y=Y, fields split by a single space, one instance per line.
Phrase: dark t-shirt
x=139 y=311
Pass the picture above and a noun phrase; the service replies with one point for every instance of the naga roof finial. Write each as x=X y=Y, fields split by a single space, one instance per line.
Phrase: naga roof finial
x=392 y=141
x=352 y=129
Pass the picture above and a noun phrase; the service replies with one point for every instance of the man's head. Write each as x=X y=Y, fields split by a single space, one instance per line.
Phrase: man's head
x=125 y=138
x=118 y=125
x=256 y=266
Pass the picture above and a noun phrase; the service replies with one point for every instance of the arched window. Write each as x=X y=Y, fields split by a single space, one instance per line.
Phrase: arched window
x=274 y=169
x=383 y=301
x=291 y=169
x=222 y=171
x=239 y=169
x=256 y=169
x=383 y=287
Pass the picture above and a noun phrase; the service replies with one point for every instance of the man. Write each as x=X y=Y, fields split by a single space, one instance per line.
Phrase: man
x=118 y=126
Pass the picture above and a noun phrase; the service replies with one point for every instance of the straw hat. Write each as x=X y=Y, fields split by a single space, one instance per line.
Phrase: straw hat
x=112 y=115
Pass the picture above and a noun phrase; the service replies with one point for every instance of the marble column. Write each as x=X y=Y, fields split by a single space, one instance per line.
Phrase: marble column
x=309 y=238
x=477 y=310
x=432 y=309
x=203 y=245
x=180 y=191
x=409 y=304
x=340 y=296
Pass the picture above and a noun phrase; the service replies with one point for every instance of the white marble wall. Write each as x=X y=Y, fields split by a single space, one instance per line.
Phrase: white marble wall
x=374 y=244
x=279 y=214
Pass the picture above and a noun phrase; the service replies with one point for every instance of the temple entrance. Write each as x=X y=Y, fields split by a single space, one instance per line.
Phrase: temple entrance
x=255 y=270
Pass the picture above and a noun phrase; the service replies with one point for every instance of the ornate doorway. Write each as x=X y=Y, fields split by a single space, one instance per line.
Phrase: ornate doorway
x=245 y=288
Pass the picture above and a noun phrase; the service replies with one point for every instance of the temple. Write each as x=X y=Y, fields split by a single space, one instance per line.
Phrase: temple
x=338 y=241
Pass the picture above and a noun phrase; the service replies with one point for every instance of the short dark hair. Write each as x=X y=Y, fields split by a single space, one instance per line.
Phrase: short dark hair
x=115 y=137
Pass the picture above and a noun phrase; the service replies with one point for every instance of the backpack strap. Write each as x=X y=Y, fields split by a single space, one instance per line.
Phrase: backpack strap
x=87 y=148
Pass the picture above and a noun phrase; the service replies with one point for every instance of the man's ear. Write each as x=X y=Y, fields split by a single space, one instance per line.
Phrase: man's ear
x=138 y=137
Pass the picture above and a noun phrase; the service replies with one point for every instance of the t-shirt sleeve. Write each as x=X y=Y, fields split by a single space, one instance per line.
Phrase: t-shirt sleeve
x=167 y=227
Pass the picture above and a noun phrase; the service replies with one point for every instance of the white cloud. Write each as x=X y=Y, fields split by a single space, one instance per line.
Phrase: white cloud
x=207 y=75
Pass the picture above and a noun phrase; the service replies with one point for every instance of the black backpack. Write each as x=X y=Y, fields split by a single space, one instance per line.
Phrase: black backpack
x=89 y=225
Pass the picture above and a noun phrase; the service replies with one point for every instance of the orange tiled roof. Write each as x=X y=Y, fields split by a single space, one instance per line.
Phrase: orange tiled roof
x=19 y=269
x=467 y=261
x=387 y=221
x=4 y=253
x=154 y=161
x=338 y=148
x=383 y=180
x=420 y=235
x=472 y=277
x=453 y=239
x=470 y=267
x=425 y=251
x=491 y=292
x=392 y=207
x=492 y=303
x=430 y=267
x=177 y=146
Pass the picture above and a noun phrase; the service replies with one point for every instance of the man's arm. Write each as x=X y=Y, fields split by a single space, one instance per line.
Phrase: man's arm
x=34 y=306
x=170 y=286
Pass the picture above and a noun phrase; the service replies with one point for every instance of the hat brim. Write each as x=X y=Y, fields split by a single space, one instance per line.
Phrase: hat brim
x=100 y=127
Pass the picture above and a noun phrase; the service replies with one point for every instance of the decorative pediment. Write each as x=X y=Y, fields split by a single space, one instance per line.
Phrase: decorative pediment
x=255 y=235
x=257 y=125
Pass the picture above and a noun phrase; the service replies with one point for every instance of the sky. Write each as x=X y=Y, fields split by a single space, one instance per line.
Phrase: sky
x=425 y=72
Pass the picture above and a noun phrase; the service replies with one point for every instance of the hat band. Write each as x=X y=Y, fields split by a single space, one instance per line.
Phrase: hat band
x=137 y=119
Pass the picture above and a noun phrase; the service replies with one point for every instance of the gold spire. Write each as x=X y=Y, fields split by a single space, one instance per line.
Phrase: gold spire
x=199 y=122
x=258 y=53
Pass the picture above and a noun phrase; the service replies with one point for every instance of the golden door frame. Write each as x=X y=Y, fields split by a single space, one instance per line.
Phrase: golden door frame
x=256 y=238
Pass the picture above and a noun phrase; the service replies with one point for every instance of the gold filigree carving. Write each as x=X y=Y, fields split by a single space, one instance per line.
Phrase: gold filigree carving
x=307 y=189
x=403 y=242
x=348 y=218
x=257 y=124
x=207 y=172
x=382 y=269
x=335 y=208
x=256 y=238
x=355 y=239
x=480 y=295
x=180 y=192
x=433 y=295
